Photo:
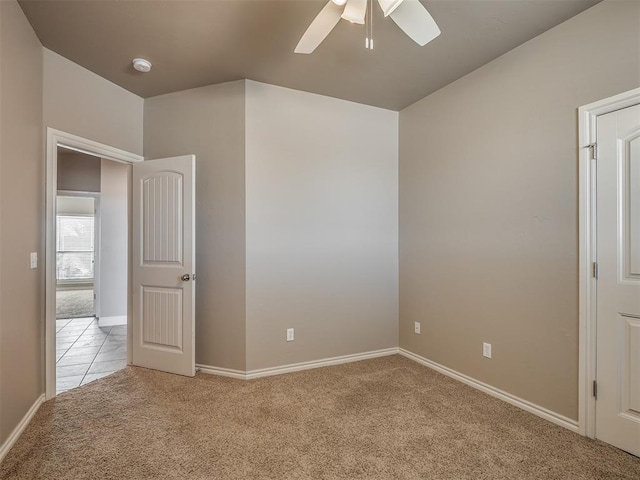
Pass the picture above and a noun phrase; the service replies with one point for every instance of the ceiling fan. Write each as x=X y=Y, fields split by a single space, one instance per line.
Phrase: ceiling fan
x=409 y=15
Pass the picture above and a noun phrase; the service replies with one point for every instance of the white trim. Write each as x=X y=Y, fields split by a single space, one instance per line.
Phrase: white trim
x=11 y=440
x=57 y=138
x=95 y=149
x=542 y=412
x=77 y=193
x=295 y=367
x=112 y=321
x=221 y=372
x=587 y=117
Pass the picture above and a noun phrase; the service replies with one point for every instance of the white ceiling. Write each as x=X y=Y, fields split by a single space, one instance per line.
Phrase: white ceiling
x=197 y=43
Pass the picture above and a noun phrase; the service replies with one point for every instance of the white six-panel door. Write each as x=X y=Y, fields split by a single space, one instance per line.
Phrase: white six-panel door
x=618 y=284
x=164 y=265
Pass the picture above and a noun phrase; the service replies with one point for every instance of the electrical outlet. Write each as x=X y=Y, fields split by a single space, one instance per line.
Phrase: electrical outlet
x=33 y=259
x=290 y=335
x=486 y=350
x=416 y=328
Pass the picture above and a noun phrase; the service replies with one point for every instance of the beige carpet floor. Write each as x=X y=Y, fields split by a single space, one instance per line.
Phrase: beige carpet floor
x=387 y=418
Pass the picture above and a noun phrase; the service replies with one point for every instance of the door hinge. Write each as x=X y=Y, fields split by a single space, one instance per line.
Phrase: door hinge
x=593 y=148
x=94 y=296
x=595 y=270
x=595 y=389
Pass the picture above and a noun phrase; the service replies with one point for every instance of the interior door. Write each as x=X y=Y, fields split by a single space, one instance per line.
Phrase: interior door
x=164 y=265
x=618 y=287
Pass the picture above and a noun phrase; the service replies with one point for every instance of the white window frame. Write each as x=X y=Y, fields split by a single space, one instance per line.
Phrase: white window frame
x=96 y=241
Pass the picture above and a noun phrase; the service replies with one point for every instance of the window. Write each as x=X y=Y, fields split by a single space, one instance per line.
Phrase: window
x=74 y=247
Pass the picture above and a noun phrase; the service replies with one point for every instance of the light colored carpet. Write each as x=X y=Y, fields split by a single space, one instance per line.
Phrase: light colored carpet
x=74 y=303
x=387 y=418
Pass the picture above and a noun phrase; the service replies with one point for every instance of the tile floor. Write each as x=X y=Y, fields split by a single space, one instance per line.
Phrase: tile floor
x=86 y=352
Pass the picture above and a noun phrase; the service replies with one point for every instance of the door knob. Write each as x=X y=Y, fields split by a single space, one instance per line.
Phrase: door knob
x=185 y=277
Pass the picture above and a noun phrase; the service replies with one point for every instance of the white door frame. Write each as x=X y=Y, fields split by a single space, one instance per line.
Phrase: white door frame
x=588 y=115
x=96 y=241
x=57 y=138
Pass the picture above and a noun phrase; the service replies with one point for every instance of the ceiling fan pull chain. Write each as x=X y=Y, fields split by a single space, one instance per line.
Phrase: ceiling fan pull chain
x=371 y=25
x=367 y=20
x=369 y=28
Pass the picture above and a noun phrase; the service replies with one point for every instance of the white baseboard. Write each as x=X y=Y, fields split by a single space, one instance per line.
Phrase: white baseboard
x=493 y=391
x=553 y=417
x=6 y=446
x=222 y=372
x=295 y=367
x=326 y=362
x=112 y=321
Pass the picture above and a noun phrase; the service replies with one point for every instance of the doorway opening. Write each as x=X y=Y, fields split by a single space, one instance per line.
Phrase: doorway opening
x=87 y=261
x=91 y=232
x=76 y=248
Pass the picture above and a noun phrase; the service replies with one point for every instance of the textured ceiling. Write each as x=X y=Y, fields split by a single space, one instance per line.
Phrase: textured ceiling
x=197 y=43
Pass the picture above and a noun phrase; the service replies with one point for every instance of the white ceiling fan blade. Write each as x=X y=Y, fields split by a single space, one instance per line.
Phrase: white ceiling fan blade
x=355 y=11
x=321 y=26
x=388 y=6
x=416 y=22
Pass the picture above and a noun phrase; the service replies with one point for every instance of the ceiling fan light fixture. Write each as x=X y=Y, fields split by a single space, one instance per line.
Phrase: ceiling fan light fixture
x=409 y=15
x=355 y=11
x=388 y=6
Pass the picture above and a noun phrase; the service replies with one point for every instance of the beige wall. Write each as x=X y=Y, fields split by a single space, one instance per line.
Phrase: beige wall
x=80 y=102
x=38 y=87
x=22 y=183
x=209 y=122
x=114 y=237
x=78 y=172
x=321 y=203
x=360 y=188
x=488 y=207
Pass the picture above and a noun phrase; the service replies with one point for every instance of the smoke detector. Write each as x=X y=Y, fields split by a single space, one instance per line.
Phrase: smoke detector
x=141 y=65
